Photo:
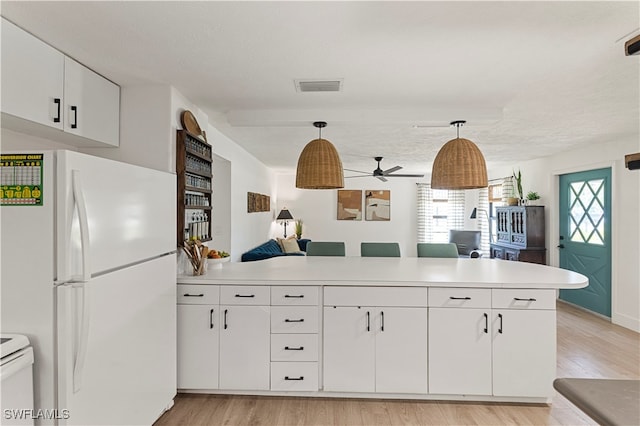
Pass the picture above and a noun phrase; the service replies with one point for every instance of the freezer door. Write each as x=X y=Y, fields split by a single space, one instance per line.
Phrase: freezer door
x=117 y=345
x=130 y=215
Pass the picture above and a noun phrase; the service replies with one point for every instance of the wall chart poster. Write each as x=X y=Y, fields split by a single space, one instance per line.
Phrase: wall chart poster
x=21 y=179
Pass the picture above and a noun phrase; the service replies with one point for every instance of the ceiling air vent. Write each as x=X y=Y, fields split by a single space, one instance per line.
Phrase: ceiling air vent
x=319 y=85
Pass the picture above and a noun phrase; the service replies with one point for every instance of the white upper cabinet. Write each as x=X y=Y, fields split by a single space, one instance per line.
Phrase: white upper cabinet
x=91 y=104
x=32 y=77
x=49 y=95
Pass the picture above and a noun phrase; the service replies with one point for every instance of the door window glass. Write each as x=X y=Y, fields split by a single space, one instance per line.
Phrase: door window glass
x=586 y=212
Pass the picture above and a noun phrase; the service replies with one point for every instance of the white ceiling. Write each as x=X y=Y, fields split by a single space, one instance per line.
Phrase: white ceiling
x=531 y=78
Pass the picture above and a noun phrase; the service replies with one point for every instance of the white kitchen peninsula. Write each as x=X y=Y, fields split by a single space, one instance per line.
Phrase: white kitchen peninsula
x=412 y=328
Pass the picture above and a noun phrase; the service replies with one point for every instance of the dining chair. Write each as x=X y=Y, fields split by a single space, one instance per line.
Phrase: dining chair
x=379 y=250
x=325 y=248
x=437 y=250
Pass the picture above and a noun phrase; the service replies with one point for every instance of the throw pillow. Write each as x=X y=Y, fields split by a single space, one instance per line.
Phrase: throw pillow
x=290 y=245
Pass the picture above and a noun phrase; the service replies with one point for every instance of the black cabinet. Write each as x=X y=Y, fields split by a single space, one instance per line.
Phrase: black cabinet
x=520 y=234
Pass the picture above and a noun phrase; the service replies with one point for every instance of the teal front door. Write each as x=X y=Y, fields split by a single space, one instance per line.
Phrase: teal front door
x=585 y=236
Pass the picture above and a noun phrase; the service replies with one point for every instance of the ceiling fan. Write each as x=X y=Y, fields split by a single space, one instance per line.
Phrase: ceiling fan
x=382 y=174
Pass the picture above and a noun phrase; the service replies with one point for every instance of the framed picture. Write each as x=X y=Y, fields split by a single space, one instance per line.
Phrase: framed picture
x=377 y=204
x=349 y=204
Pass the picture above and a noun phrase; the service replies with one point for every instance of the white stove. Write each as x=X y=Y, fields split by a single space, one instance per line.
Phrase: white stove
x=16 y=375
x=10 y=343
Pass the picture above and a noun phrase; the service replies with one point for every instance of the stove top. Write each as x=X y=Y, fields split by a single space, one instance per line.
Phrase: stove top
x=10 y=343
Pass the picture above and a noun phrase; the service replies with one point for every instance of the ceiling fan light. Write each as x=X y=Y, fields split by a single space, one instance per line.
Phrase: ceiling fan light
x=459 y=165
x=319 y=166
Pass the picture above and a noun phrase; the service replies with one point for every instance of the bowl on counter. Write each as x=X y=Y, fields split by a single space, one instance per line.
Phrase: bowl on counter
x=217 y=263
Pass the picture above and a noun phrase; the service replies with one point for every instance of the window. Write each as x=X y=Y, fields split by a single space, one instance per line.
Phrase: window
x=438 y=212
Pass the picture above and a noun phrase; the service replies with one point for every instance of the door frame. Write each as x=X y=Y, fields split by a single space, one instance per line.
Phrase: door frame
x=554 y=223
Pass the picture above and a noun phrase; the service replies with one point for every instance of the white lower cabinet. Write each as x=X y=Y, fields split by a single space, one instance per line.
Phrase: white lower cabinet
x=198 y=333
x=198 y=336
x=375 y=349
x=524 y=352
x=295 y=321
x=294 y=376
x=458 y=341
x=459 y=351
x=349 y=350
x=244 y=347
x=506 y=348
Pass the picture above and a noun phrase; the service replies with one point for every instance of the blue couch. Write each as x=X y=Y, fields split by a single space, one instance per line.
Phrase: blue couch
x=271 y=249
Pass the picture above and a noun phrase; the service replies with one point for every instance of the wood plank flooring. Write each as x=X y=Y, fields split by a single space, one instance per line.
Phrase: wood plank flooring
x=588 y=346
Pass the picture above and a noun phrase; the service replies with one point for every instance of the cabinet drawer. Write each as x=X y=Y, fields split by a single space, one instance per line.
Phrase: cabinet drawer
x=244 y=295
x=294 y=319
x=193 y=294
x=524 y=298
x=294 y=295
x=375 y=296
x=294 y=347
x=294 y=376
x=440 y=297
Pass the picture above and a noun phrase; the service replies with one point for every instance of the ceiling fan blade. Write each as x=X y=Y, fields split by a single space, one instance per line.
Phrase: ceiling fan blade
x=401 y=175
x=381 y=178
x=348 y=177
x=356 y=171
x=391 y=170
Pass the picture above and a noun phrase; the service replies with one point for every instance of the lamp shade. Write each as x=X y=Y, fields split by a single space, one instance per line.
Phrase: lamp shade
x=459 y=165
x=284 y=215
x=474 y=213
x=319 y=166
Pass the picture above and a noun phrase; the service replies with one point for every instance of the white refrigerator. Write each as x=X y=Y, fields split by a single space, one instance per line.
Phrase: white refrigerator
x=88 y=274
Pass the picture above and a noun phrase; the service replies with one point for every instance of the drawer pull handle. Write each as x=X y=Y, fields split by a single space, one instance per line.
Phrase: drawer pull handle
x=290 y=320
x=74 y=109
x=56 y=119
x=500 y=329
x=294 y=296
x=287 y=348
x=459 y=298
x=531 y=299
x=193 y=295
x=243 y=295
x=294 y=378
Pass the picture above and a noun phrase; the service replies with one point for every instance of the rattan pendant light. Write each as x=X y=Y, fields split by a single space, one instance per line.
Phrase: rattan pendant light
x=319 y=165
x=459 y=164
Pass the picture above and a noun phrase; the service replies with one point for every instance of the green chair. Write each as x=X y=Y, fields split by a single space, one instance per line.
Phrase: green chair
x=379 y=250
x=437 y=250
x=325 y=248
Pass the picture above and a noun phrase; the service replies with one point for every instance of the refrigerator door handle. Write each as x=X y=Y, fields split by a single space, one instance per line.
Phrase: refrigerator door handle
x=81 y=206
x=81 y=347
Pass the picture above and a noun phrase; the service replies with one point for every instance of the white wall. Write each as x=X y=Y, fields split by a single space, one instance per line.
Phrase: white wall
x=145 y=126
x=221 y=207
x=541 y=175
x=318 y=210
x=247 y=175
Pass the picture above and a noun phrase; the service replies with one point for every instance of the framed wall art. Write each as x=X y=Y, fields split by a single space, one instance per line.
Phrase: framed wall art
x=377 y=204
x=349 y=204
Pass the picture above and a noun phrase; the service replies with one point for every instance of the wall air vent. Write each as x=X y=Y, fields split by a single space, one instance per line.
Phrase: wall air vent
x=334 y=85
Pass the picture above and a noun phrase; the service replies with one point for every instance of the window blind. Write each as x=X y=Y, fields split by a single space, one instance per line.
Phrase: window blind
x=438 y=212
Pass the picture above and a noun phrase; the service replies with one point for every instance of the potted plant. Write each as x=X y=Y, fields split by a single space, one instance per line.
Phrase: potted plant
x=298 y=228
x=518 y=178
x=532 y=198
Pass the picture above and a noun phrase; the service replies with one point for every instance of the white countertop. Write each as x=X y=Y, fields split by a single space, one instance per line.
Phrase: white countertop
x=385 y=271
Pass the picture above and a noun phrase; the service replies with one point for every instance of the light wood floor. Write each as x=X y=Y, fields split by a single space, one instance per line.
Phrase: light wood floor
x=588 y=346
